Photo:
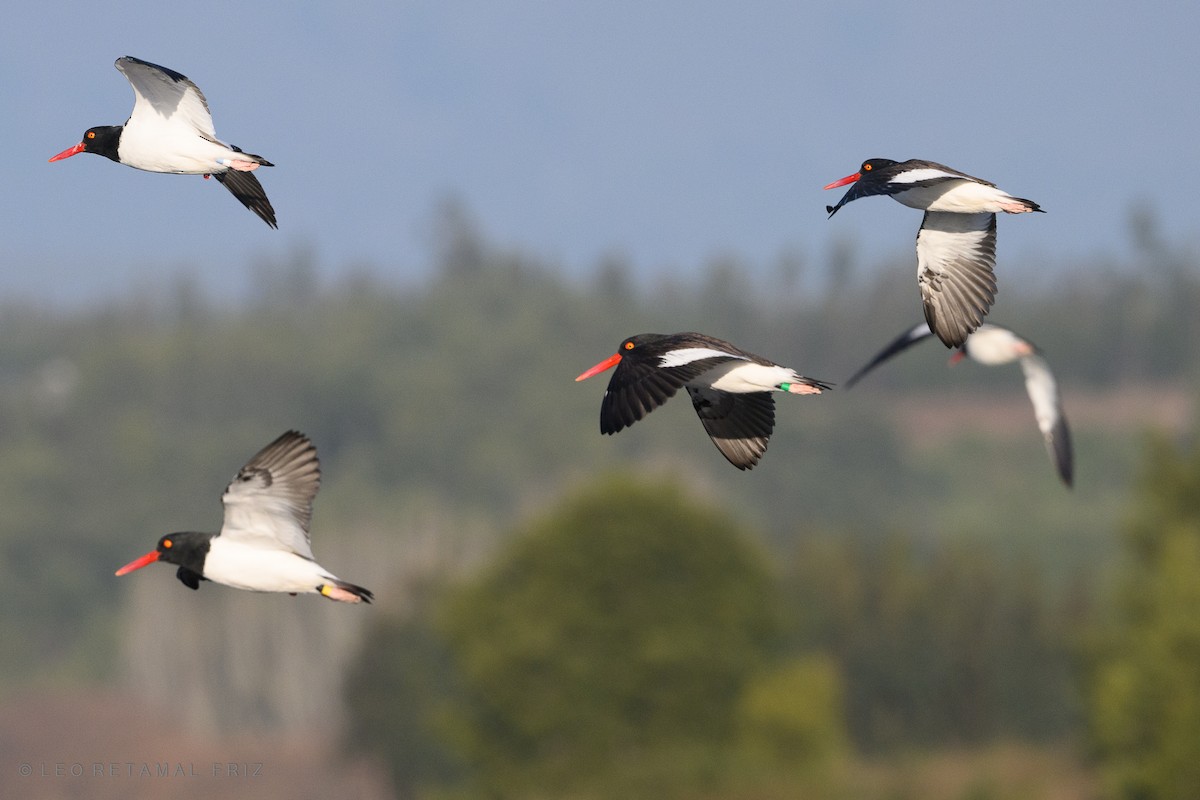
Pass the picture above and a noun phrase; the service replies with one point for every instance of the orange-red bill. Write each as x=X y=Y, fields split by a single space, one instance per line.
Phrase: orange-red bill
x=607 y=363
x=834 y=185
x=138 y=563
x=70 y=151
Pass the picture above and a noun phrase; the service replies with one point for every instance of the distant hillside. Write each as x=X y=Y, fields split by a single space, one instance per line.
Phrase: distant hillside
x=457 y=397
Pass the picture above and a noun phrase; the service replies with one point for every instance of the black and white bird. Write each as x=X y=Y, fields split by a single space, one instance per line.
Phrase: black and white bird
x=731 y=389
x=993 y=345
x=263 y=545
x=171 y=130
x=956 y=245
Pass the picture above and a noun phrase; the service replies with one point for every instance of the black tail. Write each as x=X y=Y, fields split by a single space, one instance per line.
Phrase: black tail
x=249 y=192
x=365 y=594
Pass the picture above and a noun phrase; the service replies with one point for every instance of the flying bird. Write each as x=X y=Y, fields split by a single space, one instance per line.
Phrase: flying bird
x=731 y=389
x=993 y=345
x=171 y=130
x=956 y=244
x=263 y=544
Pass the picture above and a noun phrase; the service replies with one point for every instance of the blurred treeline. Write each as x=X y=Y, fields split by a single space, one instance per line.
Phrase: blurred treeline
x=923 y=580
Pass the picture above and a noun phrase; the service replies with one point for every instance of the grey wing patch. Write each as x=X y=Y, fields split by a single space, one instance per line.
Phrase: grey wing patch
x=270 y=499
x=956 y=256
x=166 y=92
x=739 y=424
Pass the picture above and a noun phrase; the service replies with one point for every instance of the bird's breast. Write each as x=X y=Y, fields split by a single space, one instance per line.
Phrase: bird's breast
x=259 y=569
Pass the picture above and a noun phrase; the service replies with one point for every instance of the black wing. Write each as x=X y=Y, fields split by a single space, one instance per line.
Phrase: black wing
x=862 y=188
x=739 y=424
x=638 y=387
x=898 y=345
x=189 y=578
x=249 y=192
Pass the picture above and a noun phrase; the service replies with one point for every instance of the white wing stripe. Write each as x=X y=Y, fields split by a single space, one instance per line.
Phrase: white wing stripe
x=924 y=174
x=686 y=355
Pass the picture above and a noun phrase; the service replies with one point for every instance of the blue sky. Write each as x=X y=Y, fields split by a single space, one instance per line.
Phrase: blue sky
x=669 y=132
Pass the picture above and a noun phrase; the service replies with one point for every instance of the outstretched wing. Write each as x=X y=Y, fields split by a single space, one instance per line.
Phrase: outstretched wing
x=898 y=345
x=956 y=254
x=860 y=189
x=269 y=502
x=637 y=387
x=1047 y=408
x=161 y=94
x=249 y=192
x=739 y=424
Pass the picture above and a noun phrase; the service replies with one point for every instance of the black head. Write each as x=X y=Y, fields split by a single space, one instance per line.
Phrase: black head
x=188 y=550
x=631 y=347
x=642 y=340
x=101 y=141
x=872 y=165
x=865 y=181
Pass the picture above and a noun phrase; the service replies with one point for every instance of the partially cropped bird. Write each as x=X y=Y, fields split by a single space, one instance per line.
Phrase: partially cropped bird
x=171 y=130
x=993 y=345
x=731 y=389
x=263 y=545
x=956 y=244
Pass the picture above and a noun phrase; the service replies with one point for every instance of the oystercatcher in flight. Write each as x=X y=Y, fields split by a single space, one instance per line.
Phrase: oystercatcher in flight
x=171 y=130
x=956 y=245
x=730 y=388
x=263 y=545
x=993 y=345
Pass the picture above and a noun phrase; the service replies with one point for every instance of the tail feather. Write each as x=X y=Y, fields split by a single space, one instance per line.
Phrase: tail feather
x=345 y=592
x=803 y=385
x=262 y=162
x=1025 y=206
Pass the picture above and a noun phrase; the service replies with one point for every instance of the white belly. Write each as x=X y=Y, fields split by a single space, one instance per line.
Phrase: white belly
x=241 y=566
x=170 y=148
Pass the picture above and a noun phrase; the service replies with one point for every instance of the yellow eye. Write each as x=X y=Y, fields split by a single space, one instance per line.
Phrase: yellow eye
x=866 y=167
x=167 y=543
x=91 y=134
x=629 y=345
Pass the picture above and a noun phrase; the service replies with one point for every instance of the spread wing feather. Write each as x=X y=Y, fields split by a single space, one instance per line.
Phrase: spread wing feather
x=739 y=424
x=956 y=256
x=270 y=499
x=637 y=388
x=161 y=93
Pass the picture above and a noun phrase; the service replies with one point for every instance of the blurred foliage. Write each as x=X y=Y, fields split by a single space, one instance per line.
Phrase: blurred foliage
x=937 y=572
x=937 y=645
x=608 y=642
x=633 y=643
x=397 y=694
x=1145 y=684
x=792 y=719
